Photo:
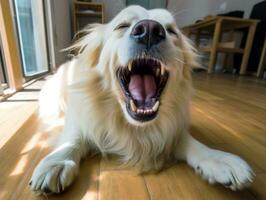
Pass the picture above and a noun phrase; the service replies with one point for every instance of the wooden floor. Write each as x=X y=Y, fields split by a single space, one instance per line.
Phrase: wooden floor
x=228 y=113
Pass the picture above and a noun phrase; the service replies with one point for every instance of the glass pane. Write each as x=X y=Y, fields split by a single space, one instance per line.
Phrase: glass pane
x=2 y=69
x=32 y=36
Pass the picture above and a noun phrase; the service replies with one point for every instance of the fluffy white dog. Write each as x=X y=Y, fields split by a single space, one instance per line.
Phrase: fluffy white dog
x=127 y=93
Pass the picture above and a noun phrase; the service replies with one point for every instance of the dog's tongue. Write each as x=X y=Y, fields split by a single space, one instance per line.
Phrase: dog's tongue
x=142 y=88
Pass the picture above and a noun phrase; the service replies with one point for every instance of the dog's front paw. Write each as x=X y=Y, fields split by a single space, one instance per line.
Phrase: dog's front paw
x=227 y=169
x=53 y=176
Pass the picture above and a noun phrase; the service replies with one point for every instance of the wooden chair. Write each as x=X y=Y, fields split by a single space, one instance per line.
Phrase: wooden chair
x=262 y=62
x=256 y=53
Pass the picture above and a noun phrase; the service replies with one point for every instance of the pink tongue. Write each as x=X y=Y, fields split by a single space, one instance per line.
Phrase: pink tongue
x=142 y=88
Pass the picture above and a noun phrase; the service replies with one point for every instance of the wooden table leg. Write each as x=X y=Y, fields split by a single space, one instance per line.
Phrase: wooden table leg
x=249 y=41
x=215 y=42
x=262 y=61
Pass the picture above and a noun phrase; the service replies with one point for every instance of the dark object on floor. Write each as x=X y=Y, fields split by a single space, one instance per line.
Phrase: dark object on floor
x=236 y=13
x=258 y=12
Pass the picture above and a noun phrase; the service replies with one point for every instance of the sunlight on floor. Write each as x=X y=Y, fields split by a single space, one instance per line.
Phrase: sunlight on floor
x=20 y=166
x=31 y=143
x=90 y=195
x=3 y=194
x=5 y=106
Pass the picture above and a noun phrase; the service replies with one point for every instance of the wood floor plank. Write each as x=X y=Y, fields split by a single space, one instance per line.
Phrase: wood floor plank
x=237 y=139
x=19 y=156
x=180 y=182
x=239 y=117
x=228 y=113
x=259 y=186
x=17 y=167
x=120 y=184
x=9 y=124
x=173 y=183
x=243 y=89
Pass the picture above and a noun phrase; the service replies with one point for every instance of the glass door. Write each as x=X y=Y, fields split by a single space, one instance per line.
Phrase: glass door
x=31 y=30
x=2 y=69
x=3 y=78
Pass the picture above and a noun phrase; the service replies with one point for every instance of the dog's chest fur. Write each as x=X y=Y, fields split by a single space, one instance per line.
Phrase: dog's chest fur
x=103 y=124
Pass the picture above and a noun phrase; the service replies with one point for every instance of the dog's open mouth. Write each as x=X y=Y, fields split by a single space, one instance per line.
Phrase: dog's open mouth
x=142 y=82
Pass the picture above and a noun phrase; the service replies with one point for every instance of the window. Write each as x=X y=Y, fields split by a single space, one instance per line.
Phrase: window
x=2 y=69
x=3 y=78
x=31 y=30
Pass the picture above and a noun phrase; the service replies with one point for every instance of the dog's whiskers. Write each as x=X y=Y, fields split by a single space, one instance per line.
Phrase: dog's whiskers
x=179 y=60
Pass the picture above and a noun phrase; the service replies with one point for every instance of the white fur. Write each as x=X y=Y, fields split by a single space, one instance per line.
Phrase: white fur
x=96 y=119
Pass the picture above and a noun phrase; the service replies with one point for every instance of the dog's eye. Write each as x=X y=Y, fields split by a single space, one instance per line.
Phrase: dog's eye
x=171 y=30
x=122 y=26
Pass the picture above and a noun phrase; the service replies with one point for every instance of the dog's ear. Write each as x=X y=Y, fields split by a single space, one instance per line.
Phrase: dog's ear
x=190 y=56
x=90 y=44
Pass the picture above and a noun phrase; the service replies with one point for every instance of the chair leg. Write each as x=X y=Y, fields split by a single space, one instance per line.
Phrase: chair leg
x=262 y=62
x=249 y=41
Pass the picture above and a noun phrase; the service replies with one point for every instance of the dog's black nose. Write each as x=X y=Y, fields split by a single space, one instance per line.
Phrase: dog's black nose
x=148 y=32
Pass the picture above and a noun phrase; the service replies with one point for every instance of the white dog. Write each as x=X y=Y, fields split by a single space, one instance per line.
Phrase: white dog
x=127 y=93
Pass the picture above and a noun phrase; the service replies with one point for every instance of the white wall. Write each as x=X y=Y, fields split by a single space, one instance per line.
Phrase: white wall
x=112 y=7
x=60 y=28
x=63 y=28
x=188 y=11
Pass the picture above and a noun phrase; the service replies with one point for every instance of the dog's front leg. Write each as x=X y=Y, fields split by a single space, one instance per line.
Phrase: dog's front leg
x=214 y=165
x=59 y=168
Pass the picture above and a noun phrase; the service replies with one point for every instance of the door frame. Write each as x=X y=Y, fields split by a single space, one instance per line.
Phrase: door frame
x=10 y=47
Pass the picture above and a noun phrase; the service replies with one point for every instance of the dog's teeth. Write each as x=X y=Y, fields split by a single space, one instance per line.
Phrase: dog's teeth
x=155 y=107
x=139 y=111
x=133 y=106
x=157 y=72
x=162 y=70
x=130 y=65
